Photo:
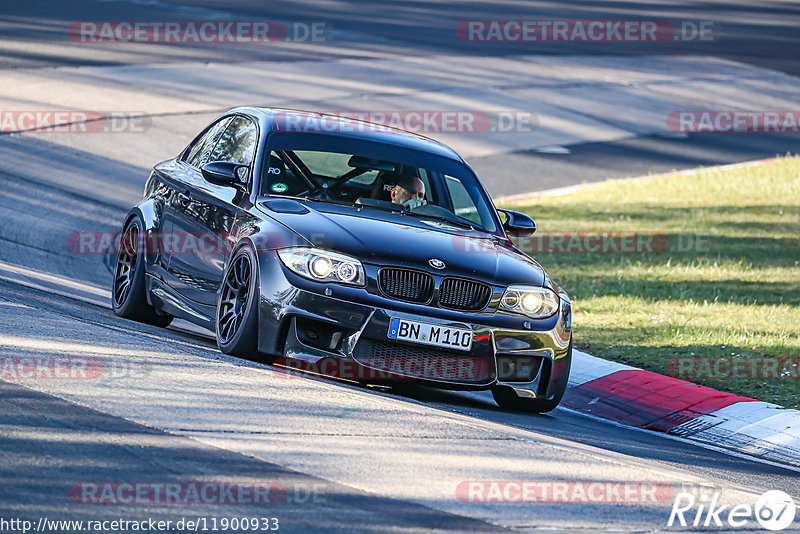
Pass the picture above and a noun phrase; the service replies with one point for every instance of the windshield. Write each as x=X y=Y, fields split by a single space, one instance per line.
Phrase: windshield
x=378 y=176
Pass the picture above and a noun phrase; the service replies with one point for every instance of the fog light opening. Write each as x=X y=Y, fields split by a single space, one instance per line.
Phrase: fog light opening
x=311 y=334
x=320 y=335
x=517 y=368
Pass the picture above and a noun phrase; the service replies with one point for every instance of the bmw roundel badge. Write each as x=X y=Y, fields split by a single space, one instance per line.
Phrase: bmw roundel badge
x=436 y=264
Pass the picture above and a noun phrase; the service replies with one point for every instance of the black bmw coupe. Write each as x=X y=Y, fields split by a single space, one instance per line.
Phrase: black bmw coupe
x=320 y=239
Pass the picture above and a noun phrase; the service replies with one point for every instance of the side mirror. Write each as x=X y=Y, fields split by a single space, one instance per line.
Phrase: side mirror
x=226 y=173
x=517 y=223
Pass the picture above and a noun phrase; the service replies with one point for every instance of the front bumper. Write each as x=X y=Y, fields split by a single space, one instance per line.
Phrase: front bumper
x=342 y=331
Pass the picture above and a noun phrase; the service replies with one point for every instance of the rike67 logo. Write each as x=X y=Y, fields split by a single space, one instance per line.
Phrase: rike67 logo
x=774 y=510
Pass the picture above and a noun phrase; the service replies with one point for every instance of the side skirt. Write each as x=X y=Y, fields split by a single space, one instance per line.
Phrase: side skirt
x=163 y=297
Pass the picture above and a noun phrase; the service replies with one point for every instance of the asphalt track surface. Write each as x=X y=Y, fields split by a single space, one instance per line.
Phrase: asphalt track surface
x=377 y=460
x=761 y=33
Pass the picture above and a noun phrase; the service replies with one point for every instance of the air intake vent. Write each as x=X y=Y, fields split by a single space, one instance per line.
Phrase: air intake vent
x=419 y=362
x=404 y=284
x=461 y=294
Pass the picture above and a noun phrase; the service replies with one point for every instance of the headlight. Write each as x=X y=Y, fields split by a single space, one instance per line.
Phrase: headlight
x=323 y=266
x=535 y=302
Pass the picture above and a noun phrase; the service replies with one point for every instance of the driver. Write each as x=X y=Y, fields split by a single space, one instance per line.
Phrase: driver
x=409 y=191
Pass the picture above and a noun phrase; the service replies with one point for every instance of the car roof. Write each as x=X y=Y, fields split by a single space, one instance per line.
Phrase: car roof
x=275 y=119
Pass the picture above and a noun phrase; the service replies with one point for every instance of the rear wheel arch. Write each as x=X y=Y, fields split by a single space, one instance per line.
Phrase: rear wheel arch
x=149 y=211
x=129 y=287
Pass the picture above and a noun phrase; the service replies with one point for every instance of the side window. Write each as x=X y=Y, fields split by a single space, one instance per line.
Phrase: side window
x=462 y=201
x=429 y=192
x=201 y=150
x=237 y=143
x=279 y=179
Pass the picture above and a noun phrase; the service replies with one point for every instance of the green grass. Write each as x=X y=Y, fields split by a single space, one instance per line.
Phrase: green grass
x=736 y=296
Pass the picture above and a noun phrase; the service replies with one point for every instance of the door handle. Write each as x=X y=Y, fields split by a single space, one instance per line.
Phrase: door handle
x=184 y=198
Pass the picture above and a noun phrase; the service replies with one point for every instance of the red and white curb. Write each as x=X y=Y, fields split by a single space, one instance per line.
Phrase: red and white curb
x=649 y=400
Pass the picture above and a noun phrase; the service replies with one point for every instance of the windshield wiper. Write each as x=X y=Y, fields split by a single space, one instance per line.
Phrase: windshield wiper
x=458 y=222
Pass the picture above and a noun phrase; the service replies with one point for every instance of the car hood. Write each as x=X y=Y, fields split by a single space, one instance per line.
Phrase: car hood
x=384 y=238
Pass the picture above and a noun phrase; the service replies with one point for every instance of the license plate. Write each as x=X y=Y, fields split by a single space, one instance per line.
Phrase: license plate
x=435 y=335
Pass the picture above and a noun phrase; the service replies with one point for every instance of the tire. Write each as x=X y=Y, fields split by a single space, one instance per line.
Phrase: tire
x=129 y=291
x=237 y=306
x=506 y=398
